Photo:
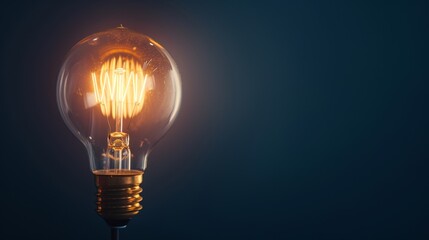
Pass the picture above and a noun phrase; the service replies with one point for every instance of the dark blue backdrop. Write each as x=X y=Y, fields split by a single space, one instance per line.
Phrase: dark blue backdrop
x=299 y=120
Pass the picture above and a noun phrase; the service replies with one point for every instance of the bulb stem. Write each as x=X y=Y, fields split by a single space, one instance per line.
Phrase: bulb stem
x=114 y=233
x=119 y=99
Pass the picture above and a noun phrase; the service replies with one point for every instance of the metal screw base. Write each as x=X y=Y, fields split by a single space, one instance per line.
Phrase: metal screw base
x=118 y=195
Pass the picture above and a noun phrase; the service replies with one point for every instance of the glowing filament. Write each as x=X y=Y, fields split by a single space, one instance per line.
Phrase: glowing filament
x=120 y=87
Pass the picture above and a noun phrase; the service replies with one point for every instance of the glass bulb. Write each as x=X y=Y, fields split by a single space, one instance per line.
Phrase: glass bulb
x=119 y=92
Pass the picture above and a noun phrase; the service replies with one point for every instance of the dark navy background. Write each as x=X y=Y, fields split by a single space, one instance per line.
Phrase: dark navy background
x=299 y=120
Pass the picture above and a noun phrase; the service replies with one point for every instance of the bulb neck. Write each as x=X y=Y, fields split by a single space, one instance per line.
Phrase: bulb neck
x=118 y=195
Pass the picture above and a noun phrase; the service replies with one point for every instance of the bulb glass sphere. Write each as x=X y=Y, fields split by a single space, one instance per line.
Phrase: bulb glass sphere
x=119 y=92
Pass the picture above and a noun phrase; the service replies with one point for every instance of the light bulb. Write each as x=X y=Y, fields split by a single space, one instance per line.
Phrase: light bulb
x=119 y=92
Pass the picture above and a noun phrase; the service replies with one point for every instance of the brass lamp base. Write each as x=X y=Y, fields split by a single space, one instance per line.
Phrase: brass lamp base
x=118 y=195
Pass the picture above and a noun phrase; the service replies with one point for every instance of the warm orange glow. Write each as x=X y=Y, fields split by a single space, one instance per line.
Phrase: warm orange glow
x=119 y=87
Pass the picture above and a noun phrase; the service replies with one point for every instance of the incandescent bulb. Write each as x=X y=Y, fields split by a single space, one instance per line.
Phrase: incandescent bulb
x=119 y=92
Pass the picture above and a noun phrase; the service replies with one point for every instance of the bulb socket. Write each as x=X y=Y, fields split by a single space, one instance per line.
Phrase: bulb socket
x=118 y=195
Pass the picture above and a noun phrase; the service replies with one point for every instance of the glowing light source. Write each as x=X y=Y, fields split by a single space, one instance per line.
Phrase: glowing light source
x=119 y=92
x=120 y=87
